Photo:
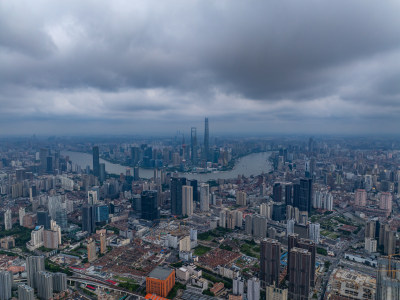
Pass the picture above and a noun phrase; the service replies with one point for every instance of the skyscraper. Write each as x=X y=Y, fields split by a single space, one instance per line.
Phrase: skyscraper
x=193 y=183
x=43 y=218
x=103 y=243
x=45 y=285
x=253 y=289
x=176 y=195
x=305 y=196
x=150 y=209
x=88 y=218
x=91 y=250
x=193 y=145
x=314 y=232
x=187 y=200
x=96 y=161
x=5 y=285
x=34 y=264
x=299 y=274
x=270 y=262
x=43 y=158
x=102 y=176
x=206 y=141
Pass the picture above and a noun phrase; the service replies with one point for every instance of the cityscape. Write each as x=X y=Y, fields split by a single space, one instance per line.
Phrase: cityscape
x=199 y=150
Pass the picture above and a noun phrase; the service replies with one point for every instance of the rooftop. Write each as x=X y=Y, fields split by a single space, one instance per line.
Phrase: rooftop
x=161 y=273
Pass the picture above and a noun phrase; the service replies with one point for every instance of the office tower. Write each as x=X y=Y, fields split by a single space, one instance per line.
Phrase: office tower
x=135 y=156
x=91 y=250
x=360 y=198
x=388 y=279
x=62 y=219
x=290 y=227
x=102 y=212
x=279 y=211
x=305 y=195
x=389 y=245
x=5 y=285
x=253 y=289
x=96 y=161
x=88 y=218
x=21 y=215
x=102 y=175
x=7 y=219
x=45 y=285
x=204 y=197
x=193 y=183
x=294 y=241
x=193 y=145
x=34 y=264
x=43 y=159
x=136 y=175
x=187 y=200
x=289 y=194
x=206 y=140
x=92 y=197
x=176 y=195
x=49 y=164
x=270 y=262
x=314 y=232
x=43 y=218
x=277 y=192
x=296 y=195
x=241 y=198
x=59 y=282
x=103 y=243
x=299 y=273
x=25 y=292
x=238 y=286
x=149 y=204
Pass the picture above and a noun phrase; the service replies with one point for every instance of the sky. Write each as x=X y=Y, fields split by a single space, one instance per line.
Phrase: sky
x=155 y=67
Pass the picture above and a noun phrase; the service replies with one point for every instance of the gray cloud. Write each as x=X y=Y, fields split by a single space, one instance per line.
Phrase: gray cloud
x=273 y=66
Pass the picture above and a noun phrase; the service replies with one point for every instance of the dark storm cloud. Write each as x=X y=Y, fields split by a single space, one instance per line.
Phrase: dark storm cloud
x=264 y=64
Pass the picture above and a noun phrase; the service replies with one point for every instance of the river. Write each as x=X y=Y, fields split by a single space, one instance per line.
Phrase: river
x=252 y=164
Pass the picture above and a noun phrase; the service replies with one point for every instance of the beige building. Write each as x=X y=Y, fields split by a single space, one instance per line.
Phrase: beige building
x=91 y=250
x=103 y=243
x=274 y=293
x=241 y=198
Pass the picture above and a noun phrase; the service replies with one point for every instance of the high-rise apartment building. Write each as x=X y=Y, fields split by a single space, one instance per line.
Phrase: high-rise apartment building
x=241 y=198
x=59 y=282
x=25 y=292
x=5 y=285
x=253 y=289
x=91 y=250
x=45 y=285
x=7 y=219
x=314 y=232
x=270 y=262
x=187 y=200
x=299 y=274
x=34 y=264
x=103 y=243
x=360 y=197
x=204 y=197
x=21 y=215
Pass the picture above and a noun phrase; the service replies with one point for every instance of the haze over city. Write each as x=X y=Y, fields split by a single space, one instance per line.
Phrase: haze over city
x=122 y=67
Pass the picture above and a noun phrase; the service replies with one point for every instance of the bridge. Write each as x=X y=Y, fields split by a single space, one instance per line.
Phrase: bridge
x=104 y=286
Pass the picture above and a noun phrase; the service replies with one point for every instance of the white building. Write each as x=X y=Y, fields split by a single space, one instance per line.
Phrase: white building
x=253 y=289
x=314 y=232
x=7 y=219
x=370 y=244
x=204 y=197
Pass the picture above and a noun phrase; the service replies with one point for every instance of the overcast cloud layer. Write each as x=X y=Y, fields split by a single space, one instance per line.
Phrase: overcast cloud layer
x=72 y=67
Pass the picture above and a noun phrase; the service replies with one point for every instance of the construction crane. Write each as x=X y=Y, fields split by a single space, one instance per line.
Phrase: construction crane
x=391 y=272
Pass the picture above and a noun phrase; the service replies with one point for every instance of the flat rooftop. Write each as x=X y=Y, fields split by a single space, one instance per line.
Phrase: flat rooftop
x=161 y=273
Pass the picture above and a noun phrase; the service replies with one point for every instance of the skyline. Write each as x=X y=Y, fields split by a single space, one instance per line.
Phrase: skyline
x=98 y=68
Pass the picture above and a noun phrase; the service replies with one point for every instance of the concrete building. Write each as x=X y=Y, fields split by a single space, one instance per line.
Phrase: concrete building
x=241 y=198
x=34 y=264
x=6 y=281
x=59 y=282
x=187 y=200
x=103 y=243
x=50 y=239
x=21 y=215
x=270 y=262
x=350 y=284
x=274 y=293
x=314 y=232
x=253 y=289
x=25 y=292
x=300 y=273
x=184 y=244
x=370 y=245
x=45 y=285
x=290 y=227
x=360 y=198
x=7 y=219
x=160 y=281
x=238 y=286
x=204 y=197
x=388 y=283
x=91 y=250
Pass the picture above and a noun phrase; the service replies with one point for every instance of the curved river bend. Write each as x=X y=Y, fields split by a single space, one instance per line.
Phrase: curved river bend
x=252 y=164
